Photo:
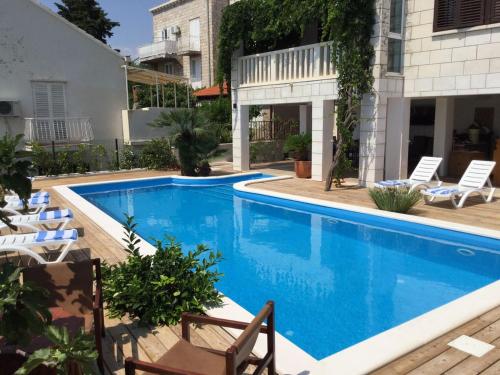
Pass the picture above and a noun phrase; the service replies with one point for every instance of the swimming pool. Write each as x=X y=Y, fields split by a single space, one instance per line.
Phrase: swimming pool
x=338 y=277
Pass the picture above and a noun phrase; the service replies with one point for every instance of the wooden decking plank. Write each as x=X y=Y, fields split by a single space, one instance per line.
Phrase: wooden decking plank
x=494 y=369
x=436 y=347
x=150 y=343
x=452 y=356
x=474 y=365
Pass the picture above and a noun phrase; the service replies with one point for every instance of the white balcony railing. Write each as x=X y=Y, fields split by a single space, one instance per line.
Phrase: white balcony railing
x=158 y=50
x=67 y=130
x=190 y=44
x=308 y=62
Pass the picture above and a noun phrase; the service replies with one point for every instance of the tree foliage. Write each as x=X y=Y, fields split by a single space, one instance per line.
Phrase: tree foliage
x=265 y=25
x=349 y=26
x=88 y=16
x=193 y=137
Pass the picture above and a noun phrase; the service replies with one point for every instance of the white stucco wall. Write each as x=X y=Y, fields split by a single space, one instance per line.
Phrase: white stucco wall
x=136 y=127
x=455 y=62
x=36 y=45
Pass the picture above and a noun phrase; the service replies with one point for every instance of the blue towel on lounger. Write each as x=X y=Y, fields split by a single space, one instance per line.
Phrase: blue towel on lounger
x=50 y=235
x=389 y=183
x=442 y=191
x=57 y=214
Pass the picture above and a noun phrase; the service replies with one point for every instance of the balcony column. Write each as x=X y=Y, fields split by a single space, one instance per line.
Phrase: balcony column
x=397 y=138
x=303 y=118
x=443 y=131
x=322 y=133
x=241 y=144
x=372 y=139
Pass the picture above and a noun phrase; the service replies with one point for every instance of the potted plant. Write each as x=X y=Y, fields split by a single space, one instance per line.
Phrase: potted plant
x=474 y=131
x=298 y=146
x=67 y=355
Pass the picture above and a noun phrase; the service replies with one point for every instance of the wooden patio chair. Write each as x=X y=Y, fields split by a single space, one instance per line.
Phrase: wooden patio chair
x=72 y=301
x=185 y=358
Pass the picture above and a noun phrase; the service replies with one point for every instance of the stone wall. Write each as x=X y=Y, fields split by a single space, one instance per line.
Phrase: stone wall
x=454 y=62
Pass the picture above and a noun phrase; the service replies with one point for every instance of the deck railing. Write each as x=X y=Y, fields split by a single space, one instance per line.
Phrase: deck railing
x=272 y=130
x=308 y=62
x=157 y=50
x=65 y=130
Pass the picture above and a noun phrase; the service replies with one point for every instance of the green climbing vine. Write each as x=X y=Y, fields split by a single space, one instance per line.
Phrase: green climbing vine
x=259 y=26
x=350 y=27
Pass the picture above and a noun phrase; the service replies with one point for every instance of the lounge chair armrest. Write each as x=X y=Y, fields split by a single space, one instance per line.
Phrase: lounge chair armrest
x=202 y=319
x=132 y=364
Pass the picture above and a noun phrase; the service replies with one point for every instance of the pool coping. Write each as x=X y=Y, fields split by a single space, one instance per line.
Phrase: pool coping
x=375 y=351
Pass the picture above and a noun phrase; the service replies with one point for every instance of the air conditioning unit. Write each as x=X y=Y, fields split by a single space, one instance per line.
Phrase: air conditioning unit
x=175 y=30
x=9 y=108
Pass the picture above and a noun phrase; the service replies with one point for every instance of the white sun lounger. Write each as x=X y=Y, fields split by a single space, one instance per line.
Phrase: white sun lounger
x=36 y=221
x=421 y=177
x=473 y=180
x=24 y=243
x=37 y=204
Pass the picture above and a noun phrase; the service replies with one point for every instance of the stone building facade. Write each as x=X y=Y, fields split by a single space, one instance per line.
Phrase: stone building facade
x=185 y=34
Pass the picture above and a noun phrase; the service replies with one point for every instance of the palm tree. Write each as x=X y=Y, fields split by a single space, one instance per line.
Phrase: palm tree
x=192 y=137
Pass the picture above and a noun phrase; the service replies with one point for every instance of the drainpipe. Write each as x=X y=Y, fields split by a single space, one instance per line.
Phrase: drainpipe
x=209 y=45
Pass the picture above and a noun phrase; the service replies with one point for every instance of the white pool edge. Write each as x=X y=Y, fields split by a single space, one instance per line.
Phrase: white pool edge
x=363 y=357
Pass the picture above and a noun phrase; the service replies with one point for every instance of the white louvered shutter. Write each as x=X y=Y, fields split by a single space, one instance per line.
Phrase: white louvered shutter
x=50 y=111
x=58 y=110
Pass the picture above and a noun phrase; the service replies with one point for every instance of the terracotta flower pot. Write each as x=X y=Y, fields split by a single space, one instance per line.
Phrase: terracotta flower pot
x=303 y=169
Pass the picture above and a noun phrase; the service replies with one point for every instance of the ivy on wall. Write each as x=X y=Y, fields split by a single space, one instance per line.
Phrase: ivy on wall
x=350 y=26
x=265 y=25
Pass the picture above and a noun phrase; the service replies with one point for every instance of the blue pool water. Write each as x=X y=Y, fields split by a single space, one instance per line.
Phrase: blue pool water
x=337 y=277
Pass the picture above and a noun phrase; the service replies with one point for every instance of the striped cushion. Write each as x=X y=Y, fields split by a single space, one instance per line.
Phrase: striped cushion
x=389 y=183
x=40 y=194
x=69 y=234
x=57 y=214
x=43 y=199
x=444 y=191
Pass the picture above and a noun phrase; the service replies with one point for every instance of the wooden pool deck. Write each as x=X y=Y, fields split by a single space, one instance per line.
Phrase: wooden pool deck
x=125 y=338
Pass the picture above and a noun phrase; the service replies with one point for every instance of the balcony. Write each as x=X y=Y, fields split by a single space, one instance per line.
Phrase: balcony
x=188 y=46
x=157 y=50
x=305 y=63
x=67 y=130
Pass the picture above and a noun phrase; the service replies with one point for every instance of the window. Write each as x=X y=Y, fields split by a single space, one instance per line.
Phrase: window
x=194 y=34
x=169 y=68
x=456 y=14
x=395 y=44
x=49 y=103
x=195 y=67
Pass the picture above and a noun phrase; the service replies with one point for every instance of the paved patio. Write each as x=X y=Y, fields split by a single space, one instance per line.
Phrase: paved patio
x=126 y=338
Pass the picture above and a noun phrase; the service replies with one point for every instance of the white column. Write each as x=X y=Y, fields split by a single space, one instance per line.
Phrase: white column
x=443 y=131
x=372 y=139
x=322 y=132
x=241 y=144
x=397 y=138
x=303 y=118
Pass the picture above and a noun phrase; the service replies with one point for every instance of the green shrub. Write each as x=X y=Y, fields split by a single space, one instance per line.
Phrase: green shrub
x=128 y=158
x=395 y=199
x=79 y=159
x=43 y=160
x=158 y=288
x=99 y=158
x=157 y=154
x=298 y=145
x=67 y=355
x=22 y=307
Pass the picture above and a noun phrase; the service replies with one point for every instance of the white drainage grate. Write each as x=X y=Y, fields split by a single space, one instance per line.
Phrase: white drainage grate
x=471 y=346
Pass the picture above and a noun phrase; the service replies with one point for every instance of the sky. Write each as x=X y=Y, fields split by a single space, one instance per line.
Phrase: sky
x=136 y=22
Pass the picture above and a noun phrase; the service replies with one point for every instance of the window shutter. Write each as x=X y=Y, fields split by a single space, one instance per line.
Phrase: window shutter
x=470 y=13
x=445 y=14
x=494 y=11
x=41 y=100
x=58 y=102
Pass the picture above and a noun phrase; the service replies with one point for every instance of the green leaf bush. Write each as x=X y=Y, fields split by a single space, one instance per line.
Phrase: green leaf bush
x=66 y=355
x=23 y=308
x=395 y=199
x=158 y=288
x=299 y=146
x=158 y=154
